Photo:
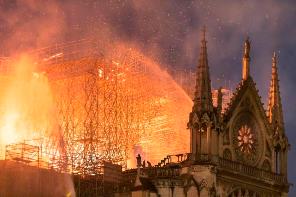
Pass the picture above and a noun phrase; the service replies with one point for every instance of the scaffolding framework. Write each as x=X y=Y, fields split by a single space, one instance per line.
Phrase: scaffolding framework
x=23 y=153
x=104 y=103
x=107 y=100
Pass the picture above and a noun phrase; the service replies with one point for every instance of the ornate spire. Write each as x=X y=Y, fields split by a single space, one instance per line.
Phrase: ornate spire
x=275 y=113
x=246 y=60
x=203 y=96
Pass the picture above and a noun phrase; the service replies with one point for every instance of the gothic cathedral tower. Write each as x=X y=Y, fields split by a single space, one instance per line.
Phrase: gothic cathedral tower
x=244 y=149
x=203 y=118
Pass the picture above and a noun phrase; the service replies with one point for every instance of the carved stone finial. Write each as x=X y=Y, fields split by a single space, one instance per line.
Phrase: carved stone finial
x=275 y=112
x=247 y=48
x=274 y=57
x=246 y=60
x=204 y=33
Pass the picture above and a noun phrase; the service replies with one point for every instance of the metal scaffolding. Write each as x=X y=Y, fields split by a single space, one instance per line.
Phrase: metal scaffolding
x=107 y=100
x=23 y=153
x=101 y=110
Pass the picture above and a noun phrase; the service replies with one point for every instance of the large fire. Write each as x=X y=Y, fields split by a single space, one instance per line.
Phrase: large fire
x=84 y=109
x=26 y=104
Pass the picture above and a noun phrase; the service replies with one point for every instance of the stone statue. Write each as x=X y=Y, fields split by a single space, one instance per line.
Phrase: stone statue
x=139 y=160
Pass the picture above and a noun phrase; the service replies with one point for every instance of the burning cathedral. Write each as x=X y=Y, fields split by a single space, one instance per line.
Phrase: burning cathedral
x=240 y=152
x=101 y=108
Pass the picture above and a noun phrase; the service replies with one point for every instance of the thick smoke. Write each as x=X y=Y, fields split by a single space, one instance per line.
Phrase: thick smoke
x=158 y=28
x=29 y=24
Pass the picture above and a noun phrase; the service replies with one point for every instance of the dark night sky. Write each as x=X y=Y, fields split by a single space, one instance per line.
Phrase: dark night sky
x=159 y=27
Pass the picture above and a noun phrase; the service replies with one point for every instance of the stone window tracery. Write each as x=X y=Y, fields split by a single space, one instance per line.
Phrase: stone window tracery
x=247 y=139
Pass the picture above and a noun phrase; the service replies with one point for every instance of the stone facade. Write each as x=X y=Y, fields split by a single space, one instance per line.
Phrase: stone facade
x=241 y=152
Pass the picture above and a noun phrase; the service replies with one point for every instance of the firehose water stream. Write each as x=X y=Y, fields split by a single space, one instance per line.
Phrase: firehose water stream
x=53 y=120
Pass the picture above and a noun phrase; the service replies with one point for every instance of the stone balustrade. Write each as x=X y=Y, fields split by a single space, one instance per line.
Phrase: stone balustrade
x=166 y=168
x=251 y=171
x=232 y=166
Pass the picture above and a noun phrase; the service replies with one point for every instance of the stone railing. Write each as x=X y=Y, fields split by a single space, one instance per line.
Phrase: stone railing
x=228 y=165
x=162 y=172
x=236 y=167
x=167 y=168
x=159 y=172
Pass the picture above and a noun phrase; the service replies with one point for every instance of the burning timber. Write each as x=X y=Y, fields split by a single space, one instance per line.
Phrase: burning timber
x=105 y=107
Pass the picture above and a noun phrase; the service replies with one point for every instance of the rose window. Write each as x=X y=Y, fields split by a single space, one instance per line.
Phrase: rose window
x=245 y=140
